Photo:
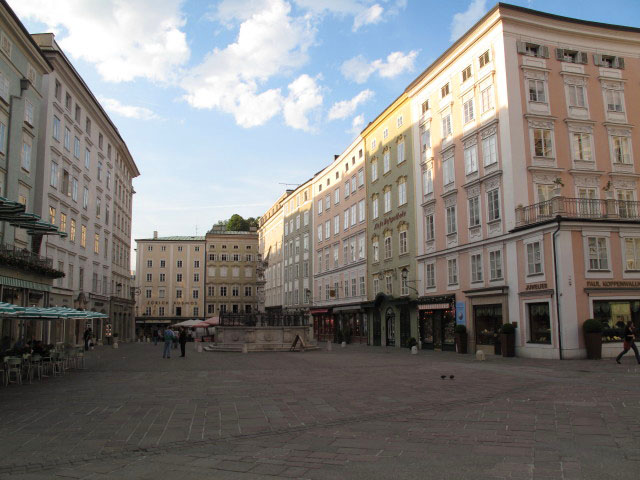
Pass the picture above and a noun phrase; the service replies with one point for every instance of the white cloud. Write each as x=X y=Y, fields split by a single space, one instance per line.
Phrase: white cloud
x=346 y=107
x=304 y=97
x=463 y=21
x=356 y=125
x=270 y=42
x=115 y=106
x=371 y=15
x=125 y=40
x=358 y=69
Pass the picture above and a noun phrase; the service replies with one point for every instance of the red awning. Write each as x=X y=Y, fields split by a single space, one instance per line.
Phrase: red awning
x=319 y=310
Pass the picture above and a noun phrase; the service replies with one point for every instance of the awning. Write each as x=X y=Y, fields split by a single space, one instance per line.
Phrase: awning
x=319 y=310
x=19 y=283
x=348 y=308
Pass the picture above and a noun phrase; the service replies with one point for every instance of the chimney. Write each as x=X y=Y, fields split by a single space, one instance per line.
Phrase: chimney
x=335 y=157
x=155 y=234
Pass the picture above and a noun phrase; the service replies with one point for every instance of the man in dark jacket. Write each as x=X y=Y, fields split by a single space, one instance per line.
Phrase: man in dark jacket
x=183 y=341
x=87 y=337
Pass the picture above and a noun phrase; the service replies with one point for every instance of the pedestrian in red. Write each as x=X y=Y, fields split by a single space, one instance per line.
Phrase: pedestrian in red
x=629 y=341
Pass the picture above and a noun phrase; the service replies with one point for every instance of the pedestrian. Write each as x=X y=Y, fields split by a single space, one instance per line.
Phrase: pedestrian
x=155 y=336
x=175 y=340
x=183 y=341
x=87 y=337
x=629 y=341
x=168 y=340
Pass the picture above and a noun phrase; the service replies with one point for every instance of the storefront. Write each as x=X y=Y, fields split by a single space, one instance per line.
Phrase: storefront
x=489 y=310
x=324 y=327
x=352 y=320
x=436 y=321
x=614 y=313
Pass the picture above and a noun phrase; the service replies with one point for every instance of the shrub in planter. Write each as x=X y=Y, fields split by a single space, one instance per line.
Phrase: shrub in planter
x=461 y=338
x=593 y=338
x=508 y=340
x=412 y=342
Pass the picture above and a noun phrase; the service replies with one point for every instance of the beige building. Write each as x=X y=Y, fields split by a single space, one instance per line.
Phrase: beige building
x=170 y=275
x=232 y=271
x=270 y=235
x=340 y=246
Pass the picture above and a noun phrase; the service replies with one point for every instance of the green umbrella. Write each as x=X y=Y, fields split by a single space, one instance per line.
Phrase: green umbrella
x=9 y=308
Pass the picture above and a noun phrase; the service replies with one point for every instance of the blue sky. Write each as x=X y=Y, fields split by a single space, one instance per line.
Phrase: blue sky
x=220 y=102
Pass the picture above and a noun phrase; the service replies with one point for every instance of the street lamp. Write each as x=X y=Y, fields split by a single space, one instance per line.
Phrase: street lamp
x=405 y=278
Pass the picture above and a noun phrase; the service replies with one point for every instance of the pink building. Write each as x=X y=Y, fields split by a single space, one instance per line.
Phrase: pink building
x=529 y=160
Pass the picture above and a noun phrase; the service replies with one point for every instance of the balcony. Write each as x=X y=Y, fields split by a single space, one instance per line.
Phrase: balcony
x=577 y=208
x=21 y=258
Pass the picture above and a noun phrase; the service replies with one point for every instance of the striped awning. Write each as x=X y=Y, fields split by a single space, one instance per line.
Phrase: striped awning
x=20 y=283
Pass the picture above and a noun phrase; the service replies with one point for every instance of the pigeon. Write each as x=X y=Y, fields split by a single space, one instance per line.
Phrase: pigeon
x=451 y=377
x=443 y=377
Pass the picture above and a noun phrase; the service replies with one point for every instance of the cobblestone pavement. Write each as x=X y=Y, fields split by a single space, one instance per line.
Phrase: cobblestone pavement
x=359 y=412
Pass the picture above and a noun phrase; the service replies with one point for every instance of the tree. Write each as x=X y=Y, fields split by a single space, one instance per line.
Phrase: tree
x=237 y=224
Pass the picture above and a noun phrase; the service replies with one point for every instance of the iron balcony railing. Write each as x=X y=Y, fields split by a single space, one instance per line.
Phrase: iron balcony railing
x=14 y=254
x=587 y=208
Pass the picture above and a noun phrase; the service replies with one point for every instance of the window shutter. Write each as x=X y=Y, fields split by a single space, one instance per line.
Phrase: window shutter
x=544 y=51
x=521 y=46
x=584 y=58
x=560 y=54
x=619 y=63
x=597 y=59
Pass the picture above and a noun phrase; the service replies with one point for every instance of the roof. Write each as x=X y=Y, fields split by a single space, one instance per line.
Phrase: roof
x=25 y=32
x=231 y=232
x=175 y=238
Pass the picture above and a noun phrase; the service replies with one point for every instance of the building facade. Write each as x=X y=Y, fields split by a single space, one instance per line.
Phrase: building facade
x=340 y=248
x=77 y=153
x=391 y=225
x=233 y=268
x=170 y=276
x=297 y=253
x=529 y=197
x=270 y=235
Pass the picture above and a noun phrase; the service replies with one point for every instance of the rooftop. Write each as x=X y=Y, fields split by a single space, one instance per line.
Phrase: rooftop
x=176 y=238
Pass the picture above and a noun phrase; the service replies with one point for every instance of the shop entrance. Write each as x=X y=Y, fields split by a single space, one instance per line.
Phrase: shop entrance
x=487 y=322
x=390 y=319
x=437 y=330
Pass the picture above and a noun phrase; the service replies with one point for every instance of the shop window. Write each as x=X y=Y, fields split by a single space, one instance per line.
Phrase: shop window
x=614 y=315
x=539 y=323
x=488 y=319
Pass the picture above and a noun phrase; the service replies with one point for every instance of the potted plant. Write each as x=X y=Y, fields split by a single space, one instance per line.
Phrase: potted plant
x=508 y=340
x=593 y=338
x=557 y=188
x=461 y=338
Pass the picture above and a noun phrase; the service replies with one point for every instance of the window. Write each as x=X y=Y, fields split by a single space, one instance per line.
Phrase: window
x=347 y=189
x=85 y=198
x=52 y=215
x=87 y=126
x=451 y=220
x=532 y=49
x=163 y=277
x=466 y=73
x=56 y=128
x=305 y=217
x=571 y=56
x=83 y=236
x=375 y=249
x=26 y=155
x=327 y=229
x=387 y=200
x=493 y=201
x=452 y=271
x=467 y=110
x=336 y=197
x=3 y=136
x=626 y=209
x=402 y=191
x=425 y=139
x=427 y=181
x=78 y=113
x=401 y=157
x=74 y=189
x=430 y=227
x=576 y=96
x=385 y=133
x=534 y=258
x=28 y=112
x=360 y=179
x=621 y=150
x=178 y=277
x=72 y=230
x=598 y=258
x=486 y=98
x=446 y=126
x=403 y=242
x=542 y=142
x=613 y=99
x=474 y=212
x=374 y=206
x=67 y=138
x=196 y=277
x=385 y=161
x=319 y=233
x=76 y=149
x=376 y=286
x=471 y=160
x=96 y=243
x=448 y=170
x=425 y=106
x=346 y=219
x=495 y=265
x=374 y=170
x=632 y=253
x=319 y=206
x=582 y=146
x=388 y=251
x=327 y=202
x=361 y=215
x=63 y=222
x=444 y=90
x=353 y=215
x=99 y=170
x=389 y=284
x=476 y=268
x=608 y=61
x=373 y=144
x=484 y=59
x=536 y=91
x=399 y=121
x=53 y=181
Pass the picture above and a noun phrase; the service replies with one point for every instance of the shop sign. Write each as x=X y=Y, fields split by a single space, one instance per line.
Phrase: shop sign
x=461 y=313
x=390 y=220
x=536 y=286
x=613 y=283
x=435 y=306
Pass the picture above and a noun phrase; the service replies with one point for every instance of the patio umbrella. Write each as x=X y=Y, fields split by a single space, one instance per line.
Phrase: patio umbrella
x=201 y=325
x=213 y=321
x=38 y=313
x=9 y=308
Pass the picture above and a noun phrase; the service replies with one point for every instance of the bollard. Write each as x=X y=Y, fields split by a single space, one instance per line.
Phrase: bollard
x=199 y=347
x=148 y=340
x=115 y=344
x=329 y=346
x=343 y=344
x=480 y=356
x=244 y=348
x=414 y=350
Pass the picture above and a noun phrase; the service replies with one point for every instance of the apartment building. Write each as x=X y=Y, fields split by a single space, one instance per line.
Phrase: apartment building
x=391 y=225
x=339 y=244
x=233 y=265
x=270 y=235
x=170 y=275
x=75 y=191
x=528 y=192
x=297 y=253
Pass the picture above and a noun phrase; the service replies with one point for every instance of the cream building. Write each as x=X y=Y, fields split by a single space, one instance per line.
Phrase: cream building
x=340 y=246
x=529 y=196
x=233 y=268
x=270 y=234
x=170 y=276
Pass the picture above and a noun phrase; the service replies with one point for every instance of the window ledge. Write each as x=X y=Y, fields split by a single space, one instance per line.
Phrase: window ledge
x=598 y=271
x=529 y=275
x=494 y=222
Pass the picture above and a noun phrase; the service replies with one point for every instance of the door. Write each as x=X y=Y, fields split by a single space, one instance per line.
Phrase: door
x=390 y=322
x=426 y=330
x=405 y=326
x=377 y=329
x=487 y=321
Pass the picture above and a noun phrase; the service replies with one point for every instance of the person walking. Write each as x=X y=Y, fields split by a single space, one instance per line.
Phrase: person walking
x=87 y=337
x=168 y=340
x=629 y=341
x=155 y=336
x=183 y=341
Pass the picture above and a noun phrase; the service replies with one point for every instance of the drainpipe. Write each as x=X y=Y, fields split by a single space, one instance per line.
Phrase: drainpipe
x=555 y=274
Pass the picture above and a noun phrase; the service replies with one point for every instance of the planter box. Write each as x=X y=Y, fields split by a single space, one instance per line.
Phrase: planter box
x=593 y=343
x=461 y=342
x=508 y=341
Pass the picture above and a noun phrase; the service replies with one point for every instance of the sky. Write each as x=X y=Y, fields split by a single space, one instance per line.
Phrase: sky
x=224 y=104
